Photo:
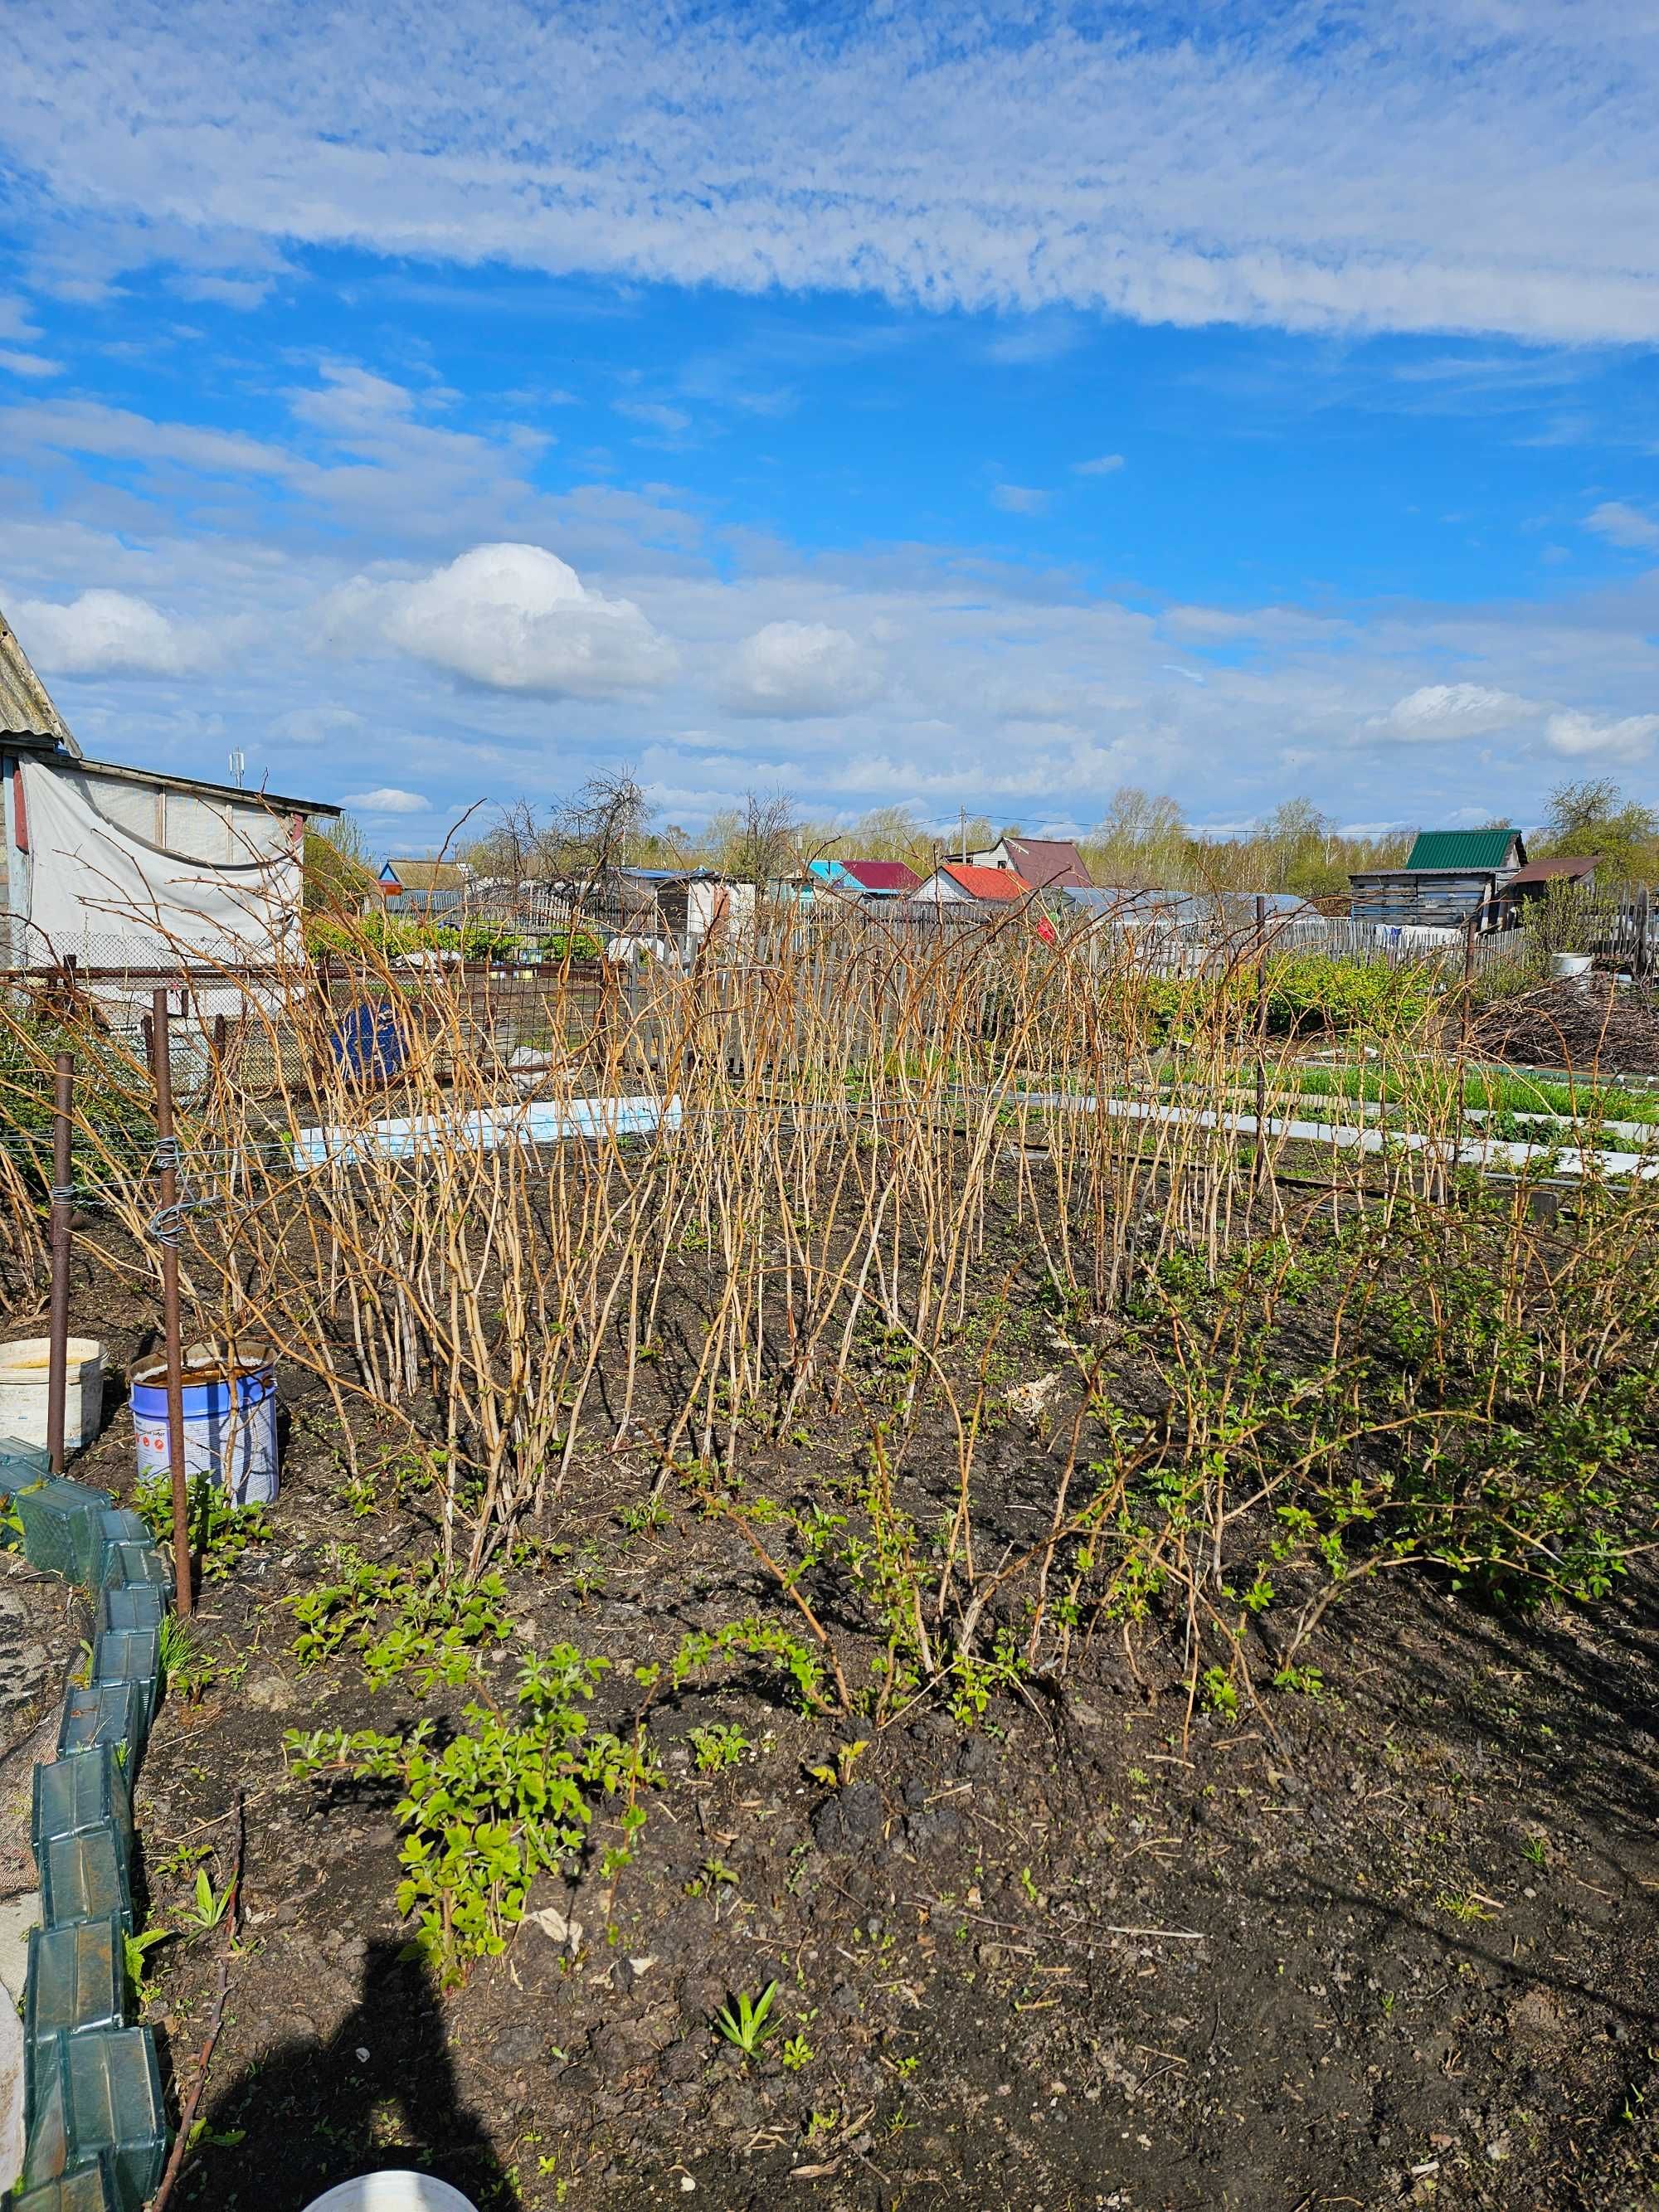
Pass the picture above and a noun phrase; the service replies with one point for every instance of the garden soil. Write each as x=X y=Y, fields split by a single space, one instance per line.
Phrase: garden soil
x=1392 y=1944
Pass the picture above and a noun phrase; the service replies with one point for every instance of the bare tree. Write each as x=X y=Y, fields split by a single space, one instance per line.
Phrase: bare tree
x=589 y=833
x=765 y=845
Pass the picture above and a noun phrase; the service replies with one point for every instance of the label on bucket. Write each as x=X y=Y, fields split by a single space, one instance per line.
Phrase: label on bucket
x=230 y=1436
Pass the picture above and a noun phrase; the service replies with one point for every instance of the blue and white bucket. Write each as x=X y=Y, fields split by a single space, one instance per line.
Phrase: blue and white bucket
x=230 y=1423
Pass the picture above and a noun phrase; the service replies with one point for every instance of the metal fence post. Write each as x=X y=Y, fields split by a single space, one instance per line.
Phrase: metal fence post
x=57 y=1366
x=166 y=1231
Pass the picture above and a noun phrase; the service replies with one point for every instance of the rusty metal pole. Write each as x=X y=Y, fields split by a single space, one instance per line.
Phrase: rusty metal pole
x=167 y=1156
x=57 y=1367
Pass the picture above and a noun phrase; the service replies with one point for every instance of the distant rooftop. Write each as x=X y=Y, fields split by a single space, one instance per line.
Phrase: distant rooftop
x=1449 y=850
x=425 y=875
x=1567 y=867
x=989 y=884
x=890 y=876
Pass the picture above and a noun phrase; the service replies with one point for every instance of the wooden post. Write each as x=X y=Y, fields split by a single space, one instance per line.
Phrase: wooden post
x=1639 y=964
x=167 y=1231
x=57 y=1367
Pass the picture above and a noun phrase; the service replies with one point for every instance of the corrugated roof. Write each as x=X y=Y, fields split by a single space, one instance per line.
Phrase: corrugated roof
x=25 y=708
x=1450 y=850
x=1050 y=862
x=882 y=875
x=987 y=883
x=1570 y=866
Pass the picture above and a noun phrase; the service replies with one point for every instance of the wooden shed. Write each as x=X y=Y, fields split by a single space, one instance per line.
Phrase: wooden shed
x=1452 y=877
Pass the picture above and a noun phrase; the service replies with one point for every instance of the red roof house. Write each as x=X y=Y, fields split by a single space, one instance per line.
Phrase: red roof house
x=955 y=880
x=888 y=878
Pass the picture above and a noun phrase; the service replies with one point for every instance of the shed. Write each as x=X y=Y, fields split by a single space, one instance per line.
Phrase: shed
x=129 y=867
x=1452 y=877
x=424 y=887
x=1534 y=879
x=688 y=902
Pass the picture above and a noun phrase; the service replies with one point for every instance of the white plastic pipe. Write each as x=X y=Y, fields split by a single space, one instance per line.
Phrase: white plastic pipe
x=545 y=1122
x=1491 y=1151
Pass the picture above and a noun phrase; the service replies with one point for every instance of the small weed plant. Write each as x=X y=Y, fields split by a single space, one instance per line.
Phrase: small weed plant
x=219 y=1531
x=744 y=2022
x=402 y=1620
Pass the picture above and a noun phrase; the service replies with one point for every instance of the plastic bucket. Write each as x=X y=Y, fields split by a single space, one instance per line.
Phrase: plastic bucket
x=392 y=2193
x=1568 y=967
x=230 y=1423
x=369 y=1041
x=24 y=1371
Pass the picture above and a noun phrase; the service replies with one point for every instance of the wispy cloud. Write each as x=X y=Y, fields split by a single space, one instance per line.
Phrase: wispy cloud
x=30 y=365
x=667 y=422
x=1105 y=465
x=1622 y=524
x=976 y=157
x=1020 y=499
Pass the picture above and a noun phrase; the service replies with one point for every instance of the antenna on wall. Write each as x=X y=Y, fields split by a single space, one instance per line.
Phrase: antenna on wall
x=238 y=767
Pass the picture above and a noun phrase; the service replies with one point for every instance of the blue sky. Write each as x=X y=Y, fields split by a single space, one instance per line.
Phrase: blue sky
x=984 y=410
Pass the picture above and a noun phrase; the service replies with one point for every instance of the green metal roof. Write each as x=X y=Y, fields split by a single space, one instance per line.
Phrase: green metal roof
x=1460 y=848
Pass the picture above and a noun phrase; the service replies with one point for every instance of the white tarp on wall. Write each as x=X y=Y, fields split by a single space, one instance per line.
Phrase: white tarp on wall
x=97 y=890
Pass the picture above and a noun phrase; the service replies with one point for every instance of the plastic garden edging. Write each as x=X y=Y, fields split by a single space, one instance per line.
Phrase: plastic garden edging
x=95 y=2130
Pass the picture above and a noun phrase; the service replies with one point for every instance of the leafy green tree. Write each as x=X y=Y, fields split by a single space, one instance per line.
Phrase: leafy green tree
x=1593 y=815
x=338 y=872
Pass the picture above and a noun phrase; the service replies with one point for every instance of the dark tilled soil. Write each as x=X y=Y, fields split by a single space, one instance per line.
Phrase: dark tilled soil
x=1393 y=1945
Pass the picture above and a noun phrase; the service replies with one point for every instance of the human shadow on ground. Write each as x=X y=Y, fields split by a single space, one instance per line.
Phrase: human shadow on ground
x=380 y=2091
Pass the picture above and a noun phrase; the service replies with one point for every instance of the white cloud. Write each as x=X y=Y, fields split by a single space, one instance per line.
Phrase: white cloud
x=1106 y=464
x=28 y=364
x=387 y=800
x=670 y=421
x=1020 y=499
x=940 y=674
x=1629 y=739
x=86 y=426
x=517 y=618
x=1436 y=713
x=106 y=633
x=966 y=157
x=318 y=726
x=1623 y=525
x=796 y=670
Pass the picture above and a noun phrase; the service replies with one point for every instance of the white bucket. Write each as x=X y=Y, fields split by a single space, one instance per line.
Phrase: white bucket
x=230 y=1423
x=25 y=1369
x=1568 y=967
x=392 y=2193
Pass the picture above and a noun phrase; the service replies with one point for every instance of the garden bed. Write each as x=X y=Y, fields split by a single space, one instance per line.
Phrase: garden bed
x=1387 y=1937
